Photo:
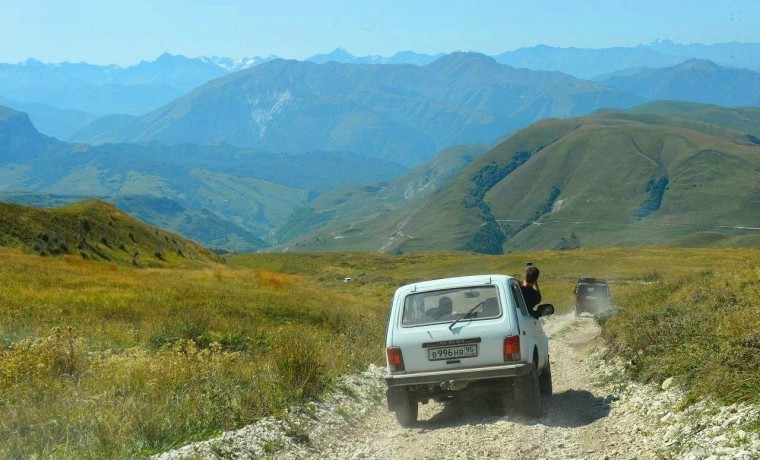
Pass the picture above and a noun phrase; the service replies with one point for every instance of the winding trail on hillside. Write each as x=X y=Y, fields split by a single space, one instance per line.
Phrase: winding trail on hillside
x=578 y=422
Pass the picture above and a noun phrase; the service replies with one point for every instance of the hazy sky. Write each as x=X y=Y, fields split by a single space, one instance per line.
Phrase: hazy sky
x=126 y=32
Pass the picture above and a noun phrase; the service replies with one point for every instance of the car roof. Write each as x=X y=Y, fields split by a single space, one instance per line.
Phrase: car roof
x=476 y=280
x=591 y=281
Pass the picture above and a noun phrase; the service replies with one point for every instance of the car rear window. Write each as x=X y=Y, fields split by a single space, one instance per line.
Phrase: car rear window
x=592 y=290
x=447 y=305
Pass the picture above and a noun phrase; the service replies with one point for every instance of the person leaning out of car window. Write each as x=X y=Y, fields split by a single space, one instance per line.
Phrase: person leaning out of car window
x=530 y=291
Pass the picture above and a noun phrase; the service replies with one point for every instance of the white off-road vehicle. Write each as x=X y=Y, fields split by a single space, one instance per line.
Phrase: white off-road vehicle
x=466 y=337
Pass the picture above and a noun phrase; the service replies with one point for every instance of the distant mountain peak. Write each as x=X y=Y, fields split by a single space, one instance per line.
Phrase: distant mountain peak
x=699 y=64
x=31 y=62
x=168 y=57
x=337 y=55
x=459 y=58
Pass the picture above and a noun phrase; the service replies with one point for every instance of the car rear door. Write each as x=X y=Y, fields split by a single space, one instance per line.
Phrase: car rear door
x=438 y=346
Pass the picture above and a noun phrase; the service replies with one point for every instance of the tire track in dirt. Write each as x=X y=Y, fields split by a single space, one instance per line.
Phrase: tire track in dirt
x=576 y=424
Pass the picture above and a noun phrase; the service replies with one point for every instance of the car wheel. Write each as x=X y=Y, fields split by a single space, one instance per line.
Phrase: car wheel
x=545 y=381
x=528 y=393
x=406 y=413
x=503 y=400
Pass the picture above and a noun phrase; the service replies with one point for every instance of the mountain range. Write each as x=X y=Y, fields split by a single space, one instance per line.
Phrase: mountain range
x=586 y=63
x=664 y=173
x=62 y=98
x=401 y=113
x=695 y=80
x=222 y=196
x=315 y=156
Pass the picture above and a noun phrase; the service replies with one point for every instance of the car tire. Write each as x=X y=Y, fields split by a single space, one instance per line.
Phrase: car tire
x=406 y=413
x=545 y=380
x=504 y=400
x=528 y=393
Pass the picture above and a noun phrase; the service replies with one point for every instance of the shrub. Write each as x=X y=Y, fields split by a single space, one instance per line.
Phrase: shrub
x=300 y=366
x=700 y=327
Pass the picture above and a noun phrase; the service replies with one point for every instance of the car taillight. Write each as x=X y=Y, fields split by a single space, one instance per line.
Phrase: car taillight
x=395 y=359
x=512 y=348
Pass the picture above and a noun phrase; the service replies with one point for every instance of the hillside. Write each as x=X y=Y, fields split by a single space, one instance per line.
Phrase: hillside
x=694 y=80
x=402 y=113
x=334 y=215
x=221 y=196
x=19 y=140
x=742 y=119
x=99 y=231
x=609 y=179
x=58 y=123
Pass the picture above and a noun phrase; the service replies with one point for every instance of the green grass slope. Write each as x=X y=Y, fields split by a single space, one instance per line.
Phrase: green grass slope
x=608 y=179
x=352 y=213
x=743 y=119
x=99 y=231
x=622 y=181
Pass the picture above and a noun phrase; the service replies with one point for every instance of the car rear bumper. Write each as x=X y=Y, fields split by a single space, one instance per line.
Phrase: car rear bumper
x=433 y=378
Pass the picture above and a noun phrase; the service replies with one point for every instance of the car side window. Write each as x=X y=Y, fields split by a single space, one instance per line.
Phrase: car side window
x=517 y=292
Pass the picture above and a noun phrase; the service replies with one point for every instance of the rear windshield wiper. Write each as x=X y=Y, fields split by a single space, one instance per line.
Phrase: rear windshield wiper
x=466 y=315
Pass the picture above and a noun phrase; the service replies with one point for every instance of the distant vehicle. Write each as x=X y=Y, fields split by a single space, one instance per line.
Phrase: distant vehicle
x=465 y=337
x=591 y=295
x=347 y=279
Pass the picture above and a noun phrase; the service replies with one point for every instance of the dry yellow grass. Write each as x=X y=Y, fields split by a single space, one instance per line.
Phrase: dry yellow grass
x=100 y=360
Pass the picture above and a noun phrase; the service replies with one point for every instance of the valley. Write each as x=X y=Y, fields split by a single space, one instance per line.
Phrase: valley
x=463 y=151
x=645 y=176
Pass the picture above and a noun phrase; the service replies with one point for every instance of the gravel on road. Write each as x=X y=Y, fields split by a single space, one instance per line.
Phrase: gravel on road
x=594 y=413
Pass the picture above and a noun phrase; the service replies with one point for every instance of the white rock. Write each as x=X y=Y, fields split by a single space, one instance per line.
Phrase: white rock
x=720 y=439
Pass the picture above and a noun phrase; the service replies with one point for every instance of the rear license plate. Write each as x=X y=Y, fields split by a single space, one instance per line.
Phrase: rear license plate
x=462 y=351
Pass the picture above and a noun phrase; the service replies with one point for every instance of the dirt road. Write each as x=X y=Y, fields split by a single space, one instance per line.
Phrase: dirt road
x=577 y=423
x=594 y=413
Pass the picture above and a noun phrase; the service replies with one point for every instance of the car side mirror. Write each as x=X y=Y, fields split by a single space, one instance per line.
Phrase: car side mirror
x=545 y=309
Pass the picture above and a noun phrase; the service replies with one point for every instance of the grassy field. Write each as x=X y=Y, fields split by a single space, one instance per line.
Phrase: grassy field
x=702 y=327
x=100 y=360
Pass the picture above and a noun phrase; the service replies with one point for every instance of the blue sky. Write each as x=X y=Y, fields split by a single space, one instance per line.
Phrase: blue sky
x=126 y=32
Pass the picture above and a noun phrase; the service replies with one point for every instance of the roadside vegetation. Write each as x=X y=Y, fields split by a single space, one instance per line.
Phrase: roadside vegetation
x=99 y=360
x=701 y=327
